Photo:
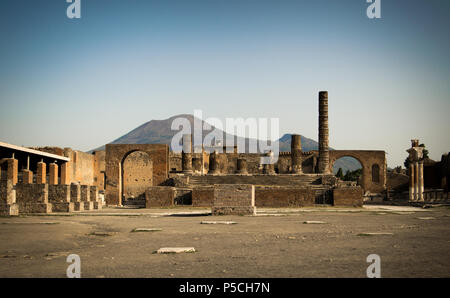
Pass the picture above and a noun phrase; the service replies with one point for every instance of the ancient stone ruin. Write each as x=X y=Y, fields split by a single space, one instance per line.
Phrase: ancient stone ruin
x=50 y=179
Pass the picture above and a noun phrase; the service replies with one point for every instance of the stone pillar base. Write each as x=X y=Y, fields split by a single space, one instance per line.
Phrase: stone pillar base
x=25 y=208
x=78 y=206
x=9 y=210
x=88 y=205
x=63 y=207
x=98 y=205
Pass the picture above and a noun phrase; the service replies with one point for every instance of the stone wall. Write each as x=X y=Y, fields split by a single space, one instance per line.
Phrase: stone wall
x=59 y=197
x=234 y=199
x=99 y=169
x=284 y=196
x=348 y=196
x=33 y=198
x=203 y=196
x=159 y=196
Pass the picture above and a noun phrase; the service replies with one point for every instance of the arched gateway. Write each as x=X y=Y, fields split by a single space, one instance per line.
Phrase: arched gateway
x=373 y=167
x=119 y=183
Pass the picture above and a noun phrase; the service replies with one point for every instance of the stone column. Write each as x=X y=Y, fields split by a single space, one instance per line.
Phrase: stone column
x=65 y=174
x=53 y=174
x=324 y=155
x=242 y=166
x=186 y=154
x=41 y=174
x=411 y=181
x=12 y=170
x=27 y=175
x=416 y=181
x=269 y=169
x=197 y=164
x=420 y=184
x=213 y=163
x=296 y=154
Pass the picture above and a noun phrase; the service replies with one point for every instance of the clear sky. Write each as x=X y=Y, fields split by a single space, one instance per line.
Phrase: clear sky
x=82 y=83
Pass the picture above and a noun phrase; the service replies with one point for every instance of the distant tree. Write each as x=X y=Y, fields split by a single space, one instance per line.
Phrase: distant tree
x=339 y=174
x=425 y=155
x=352 y=175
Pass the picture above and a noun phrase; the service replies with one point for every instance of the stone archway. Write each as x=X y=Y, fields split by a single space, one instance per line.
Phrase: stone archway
x=373 y=163
x=347 y=163
x=116 y=154
x=136 y=177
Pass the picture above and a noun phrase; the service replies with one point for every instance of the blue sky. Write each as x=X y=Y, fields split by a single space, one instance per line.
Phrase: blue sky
x=82 y=83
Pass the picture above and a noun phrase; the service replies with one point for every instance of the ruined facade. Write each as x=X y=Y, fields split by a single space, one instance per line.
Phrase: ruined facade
x=149 y=175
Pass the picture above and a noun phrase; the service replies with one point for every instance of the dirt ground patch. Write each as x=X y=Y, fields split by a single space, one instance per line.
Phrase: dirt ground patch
x=277 y=243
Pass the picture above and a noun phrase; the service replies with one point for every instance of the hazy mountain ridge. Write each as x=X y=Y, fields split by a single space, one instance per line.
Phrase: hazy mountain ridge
x=160 y=132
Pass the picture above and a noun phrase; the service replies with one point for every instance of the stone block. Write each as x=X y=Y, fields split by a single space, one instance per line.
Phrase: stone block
x=203 y=196
x=284 y=196
x=159 y=196
x=59 y=193
x=85 y=193
x=348 y=196
x=63 y=207
x=234 y=199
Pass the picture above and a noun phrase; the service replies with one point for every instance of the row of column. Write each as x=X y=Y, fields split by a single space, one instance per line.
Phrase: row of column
x=188 y=162
x=41 y=173
x=416 y=181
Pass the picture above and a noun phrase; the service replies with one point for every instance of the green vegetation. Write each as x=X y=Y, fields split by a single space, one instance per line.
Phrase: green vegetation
x=349 y=175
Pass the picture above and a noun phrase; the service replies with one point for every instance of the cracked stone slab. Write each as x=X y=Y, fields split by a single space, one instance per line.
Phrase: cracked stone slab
x=146 y=230
x=104 y=234
x=218 y=222
x=376 y=234
x=315 y=222
x=175 y=250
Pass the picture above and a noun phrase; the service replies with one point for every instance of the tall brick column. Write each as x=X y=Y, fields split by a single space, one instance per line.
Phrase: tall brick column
x=27 y=175
x=12 y=170
x=53 y=174
x=296 y=154
x=65 y=174
x=324 y=155
x=41 y=174
x=186 y=154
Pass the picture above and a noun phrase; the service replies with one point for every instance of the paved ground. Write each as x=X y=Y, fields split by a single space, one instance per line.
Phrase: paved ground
x=276 y=243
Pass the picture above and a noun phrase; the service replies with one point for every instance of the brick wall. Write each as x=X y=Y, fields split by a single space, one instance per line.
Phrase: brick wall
x=348 y=196
x=284 y=196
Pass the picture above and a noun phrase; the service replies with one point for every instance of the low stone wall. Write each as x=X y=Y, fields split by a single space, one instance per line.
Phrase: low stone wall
x=234 y=199
x=33 y=198
x=348 y=196
x=159 y=196
x=59 y=197
x=202 y=196
x=436 y=196
x=284 y=196
x=75 y=197
x=8 y=206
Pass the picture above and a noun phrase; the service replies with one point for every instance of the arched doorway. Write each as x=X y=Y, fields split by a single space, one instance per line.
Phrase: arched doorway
x=137 y=176
x=348 y=168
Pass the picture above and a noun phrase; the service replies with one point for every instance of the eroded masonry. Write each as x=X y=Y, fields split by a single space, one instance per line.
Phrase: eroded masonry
x=51 y=179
